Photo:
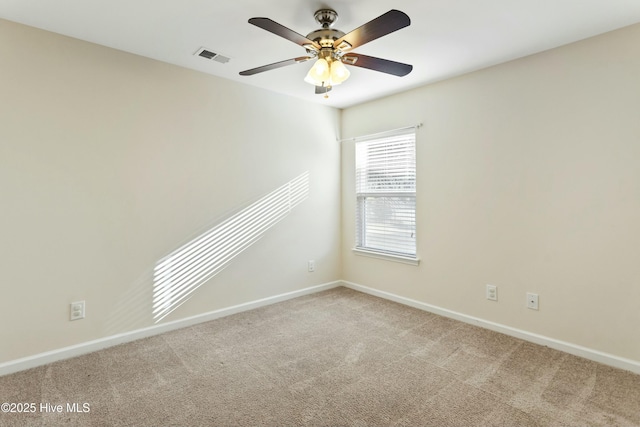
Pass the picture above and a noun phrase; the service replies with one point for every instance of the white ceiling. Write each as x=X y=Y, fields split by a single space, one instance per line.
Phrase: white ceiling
x=446 y=37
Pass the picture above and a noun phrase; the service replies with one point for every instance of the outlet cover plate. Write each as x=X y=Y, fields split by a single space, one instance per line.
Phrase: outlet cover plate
x=532 y=301
x=76 y=310
x=492 y=292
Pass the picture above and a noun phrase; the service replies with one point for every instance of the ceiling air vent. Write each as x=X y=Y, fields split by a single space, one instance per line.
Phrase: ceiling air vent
x=207 y=54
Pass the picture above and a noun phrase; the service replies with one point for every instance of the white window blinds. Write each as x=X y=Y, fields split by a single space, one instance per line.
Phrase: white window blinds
x=386 y=194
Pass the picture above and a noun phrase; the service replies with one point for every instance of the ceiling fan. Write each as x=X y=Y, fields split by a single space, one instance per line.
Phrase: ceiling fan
x=332 y=48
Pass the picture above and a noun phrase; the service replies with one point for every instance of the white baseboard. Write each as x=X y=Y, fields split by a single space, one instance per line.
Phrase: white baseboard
x=576 y=350
x=99 y=344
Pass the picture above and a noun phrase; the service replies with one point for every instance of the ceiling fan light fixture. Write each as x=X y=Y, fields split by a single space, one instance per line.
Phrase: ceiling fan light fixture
x=331 y=50
x=319 y=74
x=339 y=72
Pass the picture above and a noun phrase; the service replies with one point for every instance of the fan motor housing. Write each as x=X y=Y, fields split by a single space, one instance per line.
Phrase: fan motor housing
x=325 y=37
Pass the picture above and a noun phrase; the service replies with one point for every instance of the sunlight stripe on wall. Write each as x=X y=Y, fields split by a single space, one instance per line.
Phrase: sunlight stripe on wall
x=180 y=273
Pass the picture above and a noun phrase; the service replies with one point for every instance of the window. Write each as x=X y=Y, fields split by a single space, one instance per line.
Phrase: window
x=386 y=194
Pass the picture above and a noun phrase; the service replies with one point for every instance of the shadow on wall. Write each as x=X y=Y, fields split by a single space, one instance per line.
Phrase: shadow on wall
x=178 y=275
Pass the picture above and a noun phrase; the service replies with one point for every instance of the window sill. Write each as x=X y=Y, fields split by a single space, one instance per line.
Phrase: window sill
x=387 y=257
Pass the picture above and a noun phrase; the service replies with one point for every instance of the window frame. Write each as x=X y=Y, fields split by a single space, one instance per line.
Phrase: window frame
x=388 y=196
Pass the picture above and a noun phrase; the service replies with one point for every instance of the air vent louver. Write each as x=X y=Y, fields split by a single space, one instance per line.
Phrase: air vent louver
x=205 y=53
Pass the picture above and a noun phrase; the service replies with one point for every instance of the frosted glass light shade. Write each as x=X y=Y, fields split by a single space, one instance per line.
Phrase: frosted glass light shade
x=319 y=74
x=339 y=72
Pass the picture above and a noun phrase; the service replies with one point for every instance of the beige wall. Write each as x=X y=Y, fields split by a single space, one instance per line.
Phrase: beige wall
x=529 y=179
x=110 y=161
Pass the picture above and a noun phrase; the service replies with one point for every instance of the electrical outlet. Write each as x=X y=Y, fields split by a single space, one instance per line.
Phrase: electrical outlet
x=532 y=301
x=311 y=266
x=492 y=292
x=76 y=310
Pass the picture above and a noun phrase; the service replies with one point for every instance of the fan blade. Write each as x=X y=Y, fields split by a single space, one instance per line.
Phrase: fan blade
x=282 y=31
x=377 y=64
x=275 y=65
x=381 y=26
x=321 y=90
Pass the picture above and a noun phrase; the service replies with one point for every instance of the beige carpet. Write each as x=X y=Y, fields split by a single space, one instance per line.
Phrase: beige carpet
x=335 y=358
